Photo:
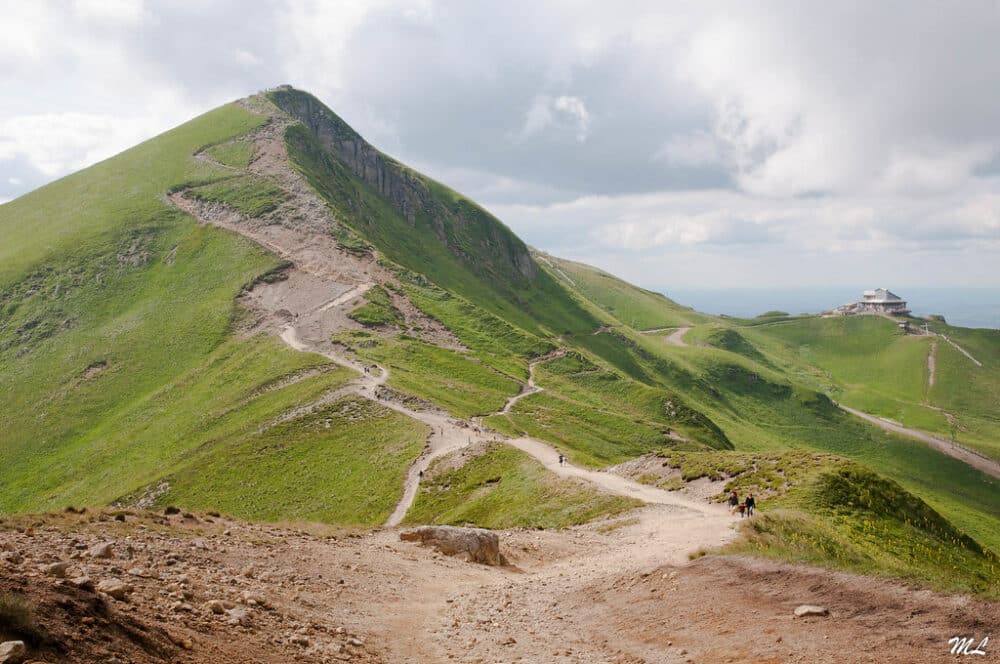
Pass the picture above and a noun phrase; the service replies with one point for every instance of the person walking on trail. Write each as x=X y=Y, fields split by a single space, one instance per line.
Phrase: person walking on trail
x=751 y=504
x=562 y=459
x=734 y=500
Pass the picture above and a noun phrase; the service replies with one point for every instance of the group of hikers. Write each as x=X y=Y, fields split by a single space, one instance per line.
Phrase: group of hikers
x=745 y=508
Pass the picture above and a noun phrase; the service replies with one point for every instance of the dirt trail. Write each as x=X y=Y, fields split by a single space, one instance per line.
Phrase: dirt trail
x=530 y=387
x=603 y=592
x=971 y=457
x=446 y=436
x=677 y=337
x=676 y=530
x=962 y=350
x=931 y=364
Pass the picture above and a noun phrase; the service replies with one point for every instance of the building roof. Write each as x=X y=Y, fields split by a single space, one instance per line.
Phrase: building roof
x=881 y=295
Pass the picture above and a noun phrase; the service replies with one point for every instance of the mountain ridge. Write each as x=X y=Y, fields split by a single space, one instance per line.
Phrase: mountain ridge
x=151 y=381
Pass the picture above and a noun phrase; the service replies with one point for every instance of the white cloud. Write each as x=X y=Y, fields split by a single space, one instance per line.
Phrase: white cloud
x=564 y=113
x=696 y=149
x=245 y=58
x=846 y=101
x=719 y=136
x=127 y=13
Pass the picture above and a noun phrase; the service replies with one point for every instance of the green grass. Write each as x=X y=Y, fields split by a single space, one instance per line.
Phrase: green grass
x=348 y=240
x=850 y=518
x=237 y=154
x=970 y=393
x=505 y=488
x=344 y=463
x=250 y=194
x=493 y=340
x=378 y=310
x=602 y=416
x=766 y=475
x=456 y=381
x=223 y=398
x=636 y=307
x=118 y=365
x=867 y=363
x=84 y=213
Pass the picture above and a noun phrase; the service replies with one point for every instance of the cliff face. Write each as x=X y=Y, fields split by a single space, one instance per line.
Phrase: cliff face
x=466 y=230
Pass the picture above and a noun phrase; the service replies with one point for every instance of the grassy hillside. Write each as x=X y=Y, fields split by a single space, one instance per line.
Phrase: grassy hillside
x=867 y=363
x=343 y=463
x=505 y=488
x=117 y=365
x=638 y=308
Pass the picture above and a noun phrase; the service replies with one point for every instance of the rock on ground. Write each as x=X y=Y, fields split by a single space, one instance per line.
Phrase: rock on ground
x=12 y=652
x=115 y=588
x=478 y=545
x=806 y=610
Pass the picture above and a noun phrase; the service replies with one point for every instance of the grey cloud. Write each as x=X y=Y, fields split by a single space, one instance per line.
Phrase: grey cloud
x=716 y=138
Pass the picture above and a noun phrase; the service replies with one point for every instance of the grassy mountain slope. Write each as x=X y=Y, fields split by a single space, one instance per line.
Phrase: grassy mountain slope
x=123 y=373
x=867 y=363
x=118 y=367
x=638 y=308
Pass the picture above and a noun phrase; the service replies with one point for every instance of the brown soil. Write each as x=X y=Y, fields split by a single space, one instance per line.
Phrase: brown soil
x=597 y=593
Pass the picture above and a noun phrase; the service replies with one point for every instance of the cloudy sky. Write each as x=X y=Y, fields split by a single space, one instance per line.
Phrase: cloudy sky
x=673 y=143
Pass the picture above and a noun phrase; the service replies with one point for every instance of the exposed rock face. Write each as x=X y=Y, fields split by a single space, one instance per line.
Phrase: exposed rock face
x=475 y=544
x=409 y=194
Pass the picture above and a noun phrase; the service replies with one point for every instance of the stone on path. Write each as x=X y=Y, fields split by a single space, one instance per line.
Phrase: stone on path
x=806 y=610
x=115 y=588
x=477 y=545
x=12 y=652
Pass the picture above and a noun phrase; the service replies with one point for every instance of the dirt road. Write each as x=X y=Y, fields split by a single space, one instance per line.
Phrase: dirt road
x=978 y=461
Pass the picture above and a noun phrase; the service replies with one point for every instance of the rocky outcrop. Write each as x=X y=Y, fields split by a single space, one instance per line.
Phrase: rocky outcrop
x=468 y=231
x=474 y=544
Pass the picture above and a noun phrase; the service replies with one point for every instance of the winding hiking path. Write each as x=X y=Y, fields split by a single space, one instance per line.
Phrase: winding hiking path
x=675 y=524
x=971 y=457
x=445 y=437
x=530 y=387
x=449 y=435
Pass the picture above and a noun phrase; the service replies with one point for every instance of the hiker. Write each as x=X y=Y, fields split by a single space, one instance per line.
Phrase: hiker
x=420 y=475
x=734 y=500
x=751 y=504
x=562 y=459
x=742 y=507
